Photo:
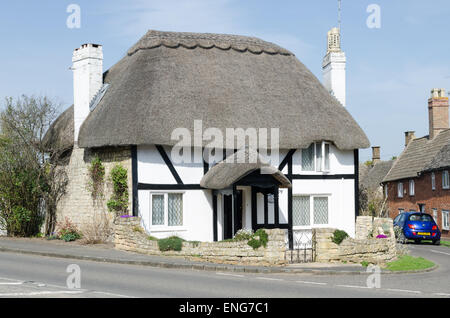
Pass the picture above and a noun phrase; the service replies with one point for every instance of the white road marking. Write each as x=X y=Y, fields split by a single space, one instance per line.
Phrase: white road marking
x=353 y=286
x=440 y=252
x=442 y=294
x=404 y=290
x=313 y=283
x=12 y=283
x=269 y=278
x=40 y=293
x=112 y=294
x=233 y=275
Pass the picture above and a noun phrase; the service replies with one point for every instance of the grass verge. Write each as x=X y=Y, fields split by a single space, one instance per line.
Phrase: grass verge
x=409 y=263
x=445 y=243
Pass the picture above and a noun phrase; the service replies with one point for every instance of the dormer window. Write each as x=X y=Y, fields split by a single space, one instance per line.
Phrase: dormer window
x=316 y=157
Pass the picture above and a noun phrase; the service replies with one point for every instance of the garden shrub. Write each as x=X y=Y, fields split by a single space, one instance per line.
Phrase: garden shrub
x=119 y=199
x=260 y=238
x=173 y=243
x=68 y=231
x=97 y=176
x=339 y=236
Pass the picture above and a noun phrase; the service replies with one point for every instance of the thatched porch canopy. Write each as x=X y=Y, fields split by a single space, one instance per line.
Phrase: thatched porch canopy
x=238 y=166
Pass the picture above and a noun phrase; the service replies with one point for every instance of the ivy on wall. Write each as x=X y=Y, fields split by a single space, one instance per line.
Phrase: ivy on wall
x=118 y=203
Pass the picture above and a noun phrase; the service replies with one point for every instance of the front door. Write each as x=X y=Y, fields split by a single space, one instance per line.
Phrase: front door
x=232 y=219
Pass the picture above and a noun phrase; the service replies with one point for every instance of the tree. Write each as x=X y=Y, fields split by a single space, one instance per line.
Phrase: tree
x=372 y=202
x=31 y=179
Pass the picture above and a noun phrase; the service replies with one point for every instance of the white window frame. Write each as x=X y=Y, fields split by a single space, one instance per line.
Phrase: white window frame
x=400 y=189
x=314 y=159
x=412 y=190
x=433 y=181
x=435 y=214
x=446 y=220
x=311 y=211
x=166 y=226
x=445 y=180
x=386 y=191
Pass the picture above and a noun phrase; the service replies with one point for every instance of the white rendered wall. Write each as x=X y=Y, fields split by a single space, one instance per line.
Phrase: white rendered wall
x=341 y=192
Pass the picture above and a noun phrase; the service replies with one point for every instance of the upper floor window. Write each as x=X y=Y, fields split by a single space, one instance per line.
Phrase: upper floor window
x=400 y=190
x=445 y=181
x=316 y=157
x=411 y=187
x=433 y=181
x=385 y=191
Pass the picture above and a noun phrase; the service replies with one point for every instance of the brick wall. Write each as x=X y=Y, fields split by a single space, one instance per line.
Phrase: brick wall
x=77 y=204
x=433 y=199
x=130 y=236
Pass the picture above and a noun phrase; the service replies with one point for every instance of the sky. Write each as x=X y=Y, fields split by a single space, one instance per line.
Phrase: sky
x=390 y=69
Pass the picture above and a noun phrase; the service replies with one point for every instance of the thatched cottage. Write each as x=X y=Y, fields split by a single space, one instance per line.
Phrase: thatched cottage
x=170 y=80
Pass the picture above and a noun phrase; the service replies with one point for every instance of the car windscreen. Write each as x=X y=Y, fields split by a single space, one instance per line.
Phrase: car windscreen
x=420 y=217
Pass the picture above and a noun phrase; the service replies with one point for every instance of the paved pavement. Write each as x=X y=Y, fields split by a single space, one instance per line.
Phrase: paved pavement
x=23 y=275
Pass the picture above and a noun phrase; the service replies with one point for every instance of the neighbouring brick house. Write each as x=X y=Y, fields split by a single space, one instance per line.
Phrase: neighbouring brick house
x=419 y=179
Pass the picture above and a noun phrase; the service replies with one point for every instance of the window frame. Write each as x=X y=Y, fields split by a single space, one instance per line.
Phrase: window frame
x=434 y=211
x=445 y=177
x=324 y=160
x=166 y=226
x=311 y=211
x=400 y=189
x=447 y=226
x=412 y=188
x=433 y=181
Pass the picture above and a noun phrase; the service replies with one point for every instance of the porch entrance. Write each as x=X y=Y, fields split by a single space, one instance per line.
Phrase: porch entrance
x=232 y=214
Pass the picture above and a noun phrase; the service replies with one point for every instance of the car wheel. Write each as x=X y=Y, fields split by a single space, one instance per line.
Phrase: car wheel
x=436 y=242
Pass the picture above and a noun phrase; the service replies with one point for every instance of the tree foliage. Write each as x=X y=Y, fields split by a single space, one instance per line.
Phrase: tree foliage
x=31 y=182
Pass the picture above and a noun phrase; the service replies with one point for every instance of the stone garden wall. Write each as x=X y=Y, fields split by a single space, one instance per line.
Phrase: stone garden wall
x=130 y=236
x=365 y=247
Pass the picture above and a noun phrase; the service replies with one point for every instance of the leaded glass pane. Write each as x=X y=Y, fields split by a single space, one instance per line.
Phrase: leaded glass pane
x=157 y=209
x=308 y=158
x=175 y=207
x=301 y=211
x=320 y=210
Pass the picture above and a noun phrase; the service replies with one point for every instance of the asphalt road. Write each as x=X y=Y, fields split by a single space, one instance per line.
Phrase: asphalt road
x=38 y=276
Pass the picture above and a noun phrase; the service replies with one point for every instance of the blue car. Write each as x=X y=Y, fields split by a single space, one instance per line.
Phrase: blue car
x=416 y=226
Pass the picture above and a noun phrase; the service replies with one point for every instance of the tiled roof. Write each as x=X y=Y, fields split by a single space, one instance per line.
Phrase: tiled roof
x=420 y=155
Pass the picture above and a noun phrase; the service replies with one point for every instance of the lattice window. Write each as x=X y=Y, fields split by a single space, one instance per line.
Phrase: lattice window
x=301 y=211
x=308 y=158
x=320 y=210
x=175 y=209
x=158 y=209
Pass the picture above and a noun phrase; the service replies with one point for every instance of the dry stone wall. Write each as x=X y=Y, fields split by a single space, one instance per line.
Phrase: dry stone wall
x=130 y=236
x=364 y=248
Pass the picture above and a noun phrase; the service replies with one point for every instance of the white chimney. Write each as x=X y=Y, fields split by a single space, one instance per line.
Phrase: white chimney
x=87 y=81
x=333 y=66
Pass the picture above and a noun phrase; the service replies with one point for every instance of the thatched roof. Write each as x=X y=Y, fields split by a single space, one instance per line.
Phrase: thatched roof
x=167 y=80
x=59 y=136
x=421 y=154
x=239 y=165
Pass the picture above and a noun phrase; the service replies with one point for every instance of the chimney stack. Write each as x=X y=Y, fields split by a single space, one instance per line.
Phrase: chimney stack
x=375 y=155
x=437 y=112
x=87 y=81
x=409 y=135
